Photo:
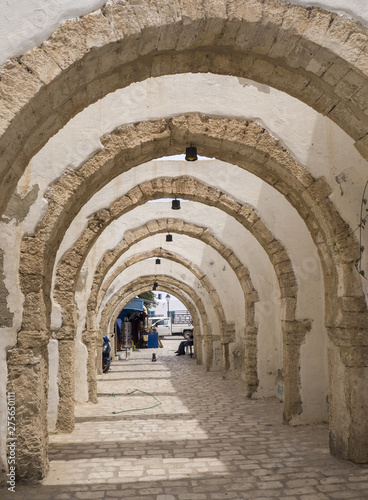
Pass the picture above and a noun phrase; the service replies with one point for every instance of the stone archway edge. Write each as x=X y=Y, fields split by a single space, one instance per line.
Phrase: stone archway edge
x=195 y=270
x=294 y=331
x=322 y=65
x=256 y=151
x=178 y=287
x=196 y=310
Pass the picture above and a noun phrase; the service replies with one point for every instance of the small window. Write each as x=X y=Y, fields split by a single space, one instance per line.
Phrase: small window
x=166 y=321
x=159 y=296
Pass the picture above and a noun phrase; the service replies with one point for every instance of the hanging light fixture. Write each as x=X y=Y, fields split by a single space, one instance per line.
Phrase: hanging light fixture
x=191 y=153
x=155 y=285
x=175 y=204
x=158 y=261
x=169 y=237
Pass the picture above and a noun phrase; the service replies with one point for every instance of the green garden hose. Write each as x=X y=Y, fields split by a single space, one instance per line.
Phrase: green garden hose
x=127 y=394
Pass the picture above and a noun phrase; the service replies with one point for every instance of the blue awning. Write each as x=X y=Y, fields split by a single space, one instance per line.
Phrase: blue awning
x=135 y=304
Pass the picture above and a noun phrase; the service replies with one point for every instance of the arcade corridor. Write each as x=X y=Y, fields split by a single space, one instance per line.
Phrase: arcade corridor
x=204 y=442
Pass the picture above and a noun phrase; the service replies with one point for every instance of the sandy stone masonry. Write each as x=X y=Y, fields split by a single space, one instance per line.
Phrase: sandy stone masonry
x=182 y=227
x=157 y=226
x=197 y=310
x=256 y=151
x=190 y=188
x=318 y=57
x=187 y=187
x=195 y=270
x=124 y=149
x=204 y=329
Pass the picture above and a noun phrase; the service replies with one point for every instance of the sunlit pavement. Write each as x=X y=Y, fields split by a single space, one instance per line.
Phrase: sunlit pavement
x=186 y=434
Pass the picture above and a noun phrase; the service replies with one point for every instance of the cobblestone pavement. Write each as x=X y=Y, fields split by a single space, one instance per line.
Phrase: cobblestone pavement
x=206 y=441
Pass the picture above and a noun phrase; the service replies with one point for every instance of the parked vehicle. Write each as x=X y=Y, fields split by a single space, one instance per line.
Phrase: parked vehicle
x=165 y=326
x=106 y=354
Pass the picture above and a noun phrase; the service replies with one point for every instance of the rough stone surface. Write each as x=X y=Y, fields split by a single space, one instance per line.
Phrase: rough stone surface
x=318 y=57
x=191 y=446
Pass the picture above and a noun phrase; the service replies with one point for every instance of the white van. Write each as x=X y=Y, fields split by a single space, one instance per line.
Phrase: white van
x=165 y=326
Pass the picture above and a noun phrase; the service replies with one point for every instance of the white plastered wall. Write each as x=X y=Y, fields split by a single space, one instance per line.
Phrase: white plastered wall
x=316 y=142
x=25 y=24
x=209 y=262
x=313 y=140
x=283 y=222
x=168 y=268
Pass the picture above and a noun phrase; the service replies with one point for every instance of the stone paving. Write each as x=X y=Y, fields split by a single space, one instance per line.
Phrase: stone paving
x=206 y=441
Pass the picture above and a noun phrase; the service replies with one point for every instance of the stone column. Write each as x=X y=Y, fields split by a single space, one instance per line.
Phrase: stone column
x=294 y=333
x=251 y=350
x=66 y=374
x=65 y=421
x=89 y=337
x=90 y=342
x=225 y=358
x=198 y=346
x=228 y=336
x=348 y=399
x=99 y=355
x=208 y=347
x=28 y=379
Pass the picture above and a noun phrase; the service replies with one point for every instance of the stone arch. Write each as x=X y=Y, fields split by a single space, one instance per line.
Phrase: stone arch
x=256 y=151
x=177 y=287
x=225 y=327
x=66 y=352
x=192 y=308
x=294 y=331
x=204 y=234
x=135 y=288
x=197 y=310
x=306 y=52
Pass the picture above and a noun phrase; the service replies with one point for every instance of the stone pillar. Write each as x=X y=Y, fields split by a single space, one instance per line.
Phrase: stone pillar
x=198 y=349
x=251 y=343
x=28 y=378
x=90 y=342
x=294 y=333
x=89 y=337
x=251 y=350
x=111 y=335
x=65 y=421
x=348 y=400
x=99 y=355
x=208 y=347
x=225 y=358
x=228 y=336
x=66 y=374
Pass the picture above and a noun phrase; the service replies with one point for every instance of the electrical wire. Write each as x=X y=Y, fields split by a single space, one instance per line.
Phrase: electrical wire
x=127 y=393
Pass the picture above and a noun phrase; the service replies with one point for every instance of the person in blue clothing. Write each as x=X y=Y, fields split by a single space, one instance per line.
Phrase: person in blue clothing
x=184 y=344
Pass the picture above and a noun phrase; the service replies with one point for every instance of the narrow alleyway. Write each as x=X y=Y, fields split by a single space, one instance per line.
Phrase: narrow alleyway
x=206 y=441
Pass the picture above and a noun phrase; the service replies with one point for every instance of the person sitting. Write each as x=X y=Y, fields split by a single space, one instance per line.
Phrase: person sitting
x=184 y=344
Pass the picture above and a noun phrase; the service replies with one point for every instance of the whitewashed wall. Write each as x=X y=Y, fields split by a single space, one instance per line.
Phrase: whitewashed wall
x=25 y=24
x=312 y=139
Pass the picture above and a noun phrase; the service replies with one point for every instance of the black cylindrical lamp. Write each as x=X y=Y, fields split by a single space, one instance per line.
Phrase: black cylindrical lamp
x=175 y=204
x=155 y=285
x=169 y=237
x=191 y=153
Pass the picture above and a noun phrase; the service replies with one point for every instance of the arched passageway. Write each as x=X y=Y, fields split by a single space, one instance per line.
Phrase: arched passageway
x=191 y=437
x=189 y=187
x=311 y=54
x=321 y=64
